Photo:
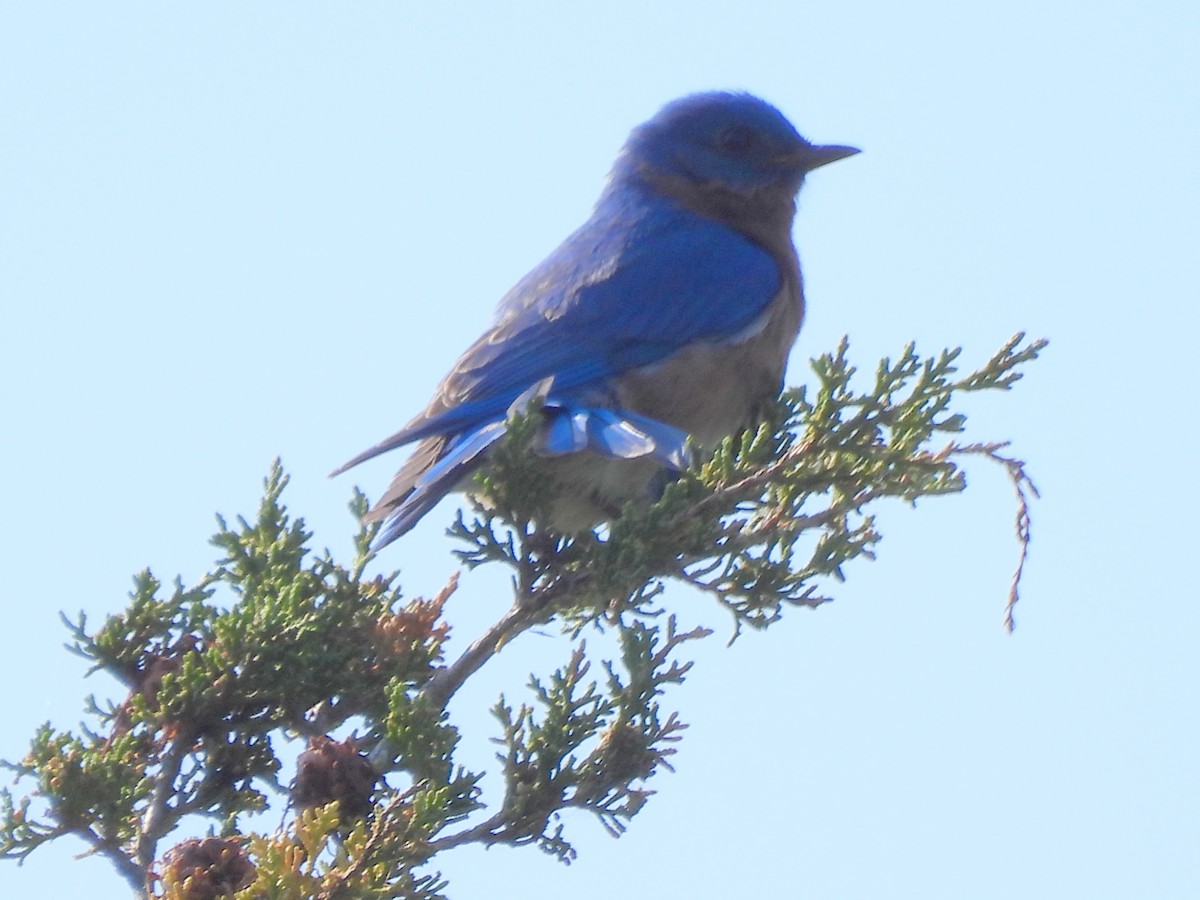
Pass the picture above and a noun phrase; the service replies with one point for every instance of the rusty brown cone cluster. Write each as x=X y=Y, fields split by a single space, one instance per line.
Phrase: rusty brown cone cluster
x=207 y=869
x=334 y=770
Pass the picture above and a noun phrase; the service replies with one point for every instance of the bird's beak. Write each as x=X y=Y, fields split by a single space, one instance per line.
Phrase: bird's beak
x=817 y=155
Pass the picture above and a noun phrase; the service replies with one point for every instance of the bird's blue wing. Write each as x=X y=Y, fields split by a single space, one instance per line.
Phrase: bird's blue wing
x=611 y=299
x=637 y=283
x=599 y=307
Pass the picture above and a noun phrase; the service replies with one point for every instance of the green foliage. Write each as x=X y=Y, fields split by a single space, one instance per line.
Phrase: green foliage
x=590 y=746
x=277 y=643
x=778 y=511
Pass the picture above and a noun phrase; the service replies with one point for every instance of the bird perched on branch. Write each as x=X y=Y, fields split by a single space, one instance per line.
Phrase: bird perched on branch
x=668 y=315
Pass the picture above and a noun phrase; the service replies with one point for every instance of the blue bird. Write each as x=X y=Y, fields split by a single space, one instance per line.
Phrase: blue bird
x=667 y=316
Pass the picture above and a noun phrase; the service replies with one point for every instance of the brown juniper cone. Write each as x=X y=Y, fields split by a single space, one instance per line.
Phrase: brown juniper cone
x=334 y=770
x=207 y=869
x=147 y=679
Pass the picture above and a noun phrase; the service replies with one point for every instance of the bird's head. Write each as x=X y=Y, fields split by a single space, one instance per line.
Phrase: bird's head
x=723 y=143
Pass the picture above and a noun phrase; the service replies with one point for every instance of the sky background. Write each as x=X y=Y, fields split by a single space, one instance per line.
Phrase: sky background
x=232 y=231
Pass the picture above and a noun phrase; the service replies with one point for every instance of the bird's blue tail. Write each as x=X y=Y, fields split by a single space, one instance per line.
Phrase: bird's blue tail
x=569 y=428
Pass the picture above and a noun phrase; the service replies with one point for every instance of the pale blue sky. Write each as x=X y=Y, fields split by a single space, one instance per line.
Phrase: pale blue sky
x=230 y=231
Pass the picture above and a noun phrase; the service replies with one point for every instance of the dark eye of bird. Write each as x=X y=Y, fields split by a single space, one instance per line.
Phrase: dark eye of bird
x=737 y=140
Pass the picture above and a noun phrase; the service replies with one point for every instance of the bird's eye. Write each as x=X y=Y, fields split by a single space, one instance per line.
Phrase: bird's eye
x=737 y=140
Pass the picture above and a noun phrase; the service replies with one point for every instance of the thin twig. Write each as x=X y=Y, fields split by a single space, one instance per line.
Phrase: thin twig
x=490 y=832
x=1023 y=486
x=529 y=610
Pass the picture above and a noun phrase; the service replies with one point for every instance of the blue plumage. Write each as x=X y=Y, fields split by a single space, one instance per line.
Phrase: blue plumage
x=669 y=313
